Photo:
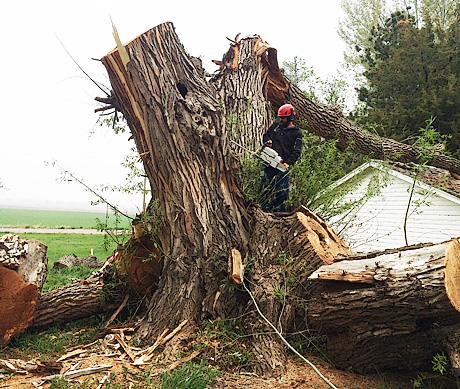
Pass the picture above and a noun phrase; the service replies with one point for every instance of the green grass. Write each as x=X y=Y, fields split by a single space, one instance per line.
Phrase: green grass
x=189 y=376
x=78 y=244
x=32 y=218
x=62 y=244
x=49 y=343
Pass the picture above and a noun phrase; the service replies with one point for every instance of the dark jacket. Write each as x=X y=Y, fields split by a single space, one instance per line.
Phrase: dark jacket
x=287 y=142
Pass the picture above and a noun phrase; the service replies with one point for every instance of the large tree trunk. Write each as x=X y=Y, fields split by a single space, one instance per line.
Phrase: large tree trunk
x=198 y=216
x=388 y=310
x=180 y=128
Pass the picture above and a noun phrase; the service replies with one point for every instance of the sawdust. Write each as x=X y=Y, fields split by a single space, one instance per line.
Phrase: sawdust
x=298 y=375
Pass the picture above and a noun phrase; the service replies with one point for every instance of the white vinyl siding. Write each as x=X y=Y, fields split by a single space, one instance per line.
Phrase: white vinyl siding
x=379 y=223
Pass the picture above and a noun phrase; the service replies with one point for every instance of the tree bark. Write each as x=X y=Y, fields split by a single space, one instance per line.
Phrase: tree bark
x=387 y=311
x=180 y=127
x=198 y=216
x=240 y=83
x=81 y=299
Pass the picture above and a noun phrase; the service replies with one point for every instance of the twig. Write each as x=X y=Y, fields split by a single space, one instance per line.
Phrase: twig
x=125 y=347
x=71 y=354
x=286 y=342
x=75 y=373
x=101 y=382
x=179 y=327
x=115 y=314
x=76 y=63
x=89 y=189
x=188 y=358
x=147 y=354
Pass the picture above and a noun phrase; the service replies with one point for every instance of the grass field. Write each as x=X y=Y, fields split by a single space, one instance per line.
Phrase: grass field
x=78 y=244
x=30 y=218
x=62 y=244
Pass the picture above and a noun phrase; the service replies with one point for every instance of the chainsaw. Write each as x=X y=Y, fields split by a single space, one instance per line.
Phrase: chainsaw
x=267 y=155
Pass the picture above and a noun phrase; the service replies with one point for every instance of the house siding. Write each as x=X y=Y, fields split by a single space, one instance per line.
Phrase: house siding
x=379 y=223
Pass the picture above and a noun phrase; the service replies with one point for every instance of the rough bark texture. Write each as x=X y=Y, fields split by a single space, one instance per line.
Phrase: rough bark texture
x=180 y=127
x=388 y=311
x=285 y=249
x=71 y=302
x=240 y=83
x=180 y=123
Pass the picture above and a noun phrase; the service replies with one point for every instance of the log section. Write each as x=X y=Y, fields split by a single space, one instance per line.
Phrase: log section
x=389 y=311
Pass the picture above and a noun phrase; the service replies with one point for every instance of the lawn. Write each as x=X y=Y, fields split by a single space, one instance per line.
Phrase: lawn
x=32 y=218
x=78 y=244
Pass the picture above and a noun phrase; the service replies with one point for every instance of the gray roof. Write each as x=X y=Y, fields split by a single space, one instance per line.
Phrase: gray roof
x=433 y=176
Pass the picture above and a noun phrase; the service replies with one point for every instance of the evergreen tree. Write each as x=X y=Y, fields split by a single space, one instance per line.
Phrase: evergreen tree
x=413 y=74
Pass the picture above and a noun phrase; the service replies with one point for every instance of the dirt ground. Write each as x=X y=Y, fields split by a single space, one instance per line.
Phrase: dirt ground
x=299 y=375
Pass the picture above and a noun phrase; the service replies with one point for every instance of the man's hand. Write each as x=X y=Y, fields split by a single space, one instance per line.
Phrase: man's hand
x=285 y=164
x=268 y=143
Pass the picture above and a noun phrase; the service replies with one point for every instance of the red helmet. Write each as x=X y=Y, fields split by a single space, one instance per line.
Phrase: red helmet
x=286 y=110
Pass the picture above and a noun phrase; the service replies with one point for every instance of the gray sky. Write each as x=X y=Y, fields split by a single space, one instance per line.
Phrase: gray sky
x=47 y=104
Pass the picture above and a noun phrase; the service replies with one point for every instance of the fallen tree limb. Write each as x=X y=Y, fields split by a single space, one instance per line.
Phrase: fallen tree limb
x=386 y=312
x=328 y=122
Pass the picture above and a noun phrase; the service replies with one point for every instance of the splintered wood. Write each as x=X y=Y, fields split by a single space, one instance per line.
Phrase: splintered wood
x=147 y=354
x=452 y=272
x=236 y=266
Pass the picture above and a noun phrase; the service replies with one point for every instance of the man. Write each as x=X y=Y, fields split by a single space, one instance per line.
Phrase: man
x=286 y=139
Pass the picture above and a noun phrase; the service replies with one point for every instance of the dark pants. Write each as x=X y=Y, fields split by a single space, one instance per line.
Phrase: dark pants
x=275 y=190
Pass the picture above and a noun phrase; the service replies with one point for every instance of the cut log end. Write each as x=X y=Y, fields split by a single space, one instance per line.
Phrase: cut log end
x=452 y=272
x=17 y=304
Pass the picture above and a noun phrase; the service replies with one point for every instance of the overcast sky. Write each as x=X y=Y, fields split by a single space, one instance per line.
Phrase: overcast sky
x=47 y=104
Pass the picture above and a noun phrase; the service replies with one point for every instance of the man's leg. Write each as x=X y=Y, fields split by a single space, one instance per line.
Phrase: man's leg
x=268 y=190
x=282 y=192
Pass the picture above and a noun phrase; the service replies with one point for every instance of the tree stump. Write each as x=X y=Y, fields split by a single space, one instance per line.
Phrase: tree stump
x=180 y=128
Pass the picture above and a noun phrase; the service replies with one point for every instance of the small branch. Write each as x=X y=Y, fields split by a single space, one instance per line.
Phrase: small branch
x=101 y=382
x=125 y=347
x=120 y=308
x=76 y=63
x=107 y=107
x=188 y=358
x=113 y=207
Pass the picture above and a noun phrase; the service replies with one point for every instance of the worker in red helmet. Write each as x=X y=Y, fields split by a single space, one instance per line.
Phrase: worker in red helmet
x=286 y=139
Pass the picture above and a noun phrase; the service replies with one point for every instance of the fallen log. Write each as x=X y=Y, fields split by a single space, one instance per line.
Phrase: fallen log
x=387 y=311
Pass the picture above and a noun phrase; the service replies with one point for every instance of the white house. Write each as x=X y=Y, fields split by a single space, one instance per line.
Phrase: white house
x=378 y=223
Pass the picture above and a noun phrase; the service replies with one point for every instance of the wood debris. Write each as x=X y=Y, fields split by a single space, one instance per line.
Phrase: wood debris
x=12 y=250
x=19 y=366
x=76 y=373
x=147 y=354
x=115 y=314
